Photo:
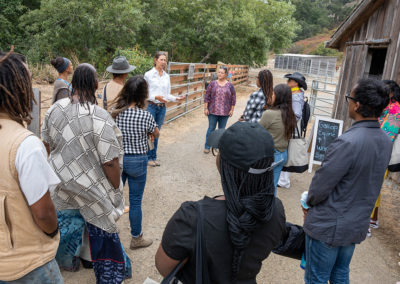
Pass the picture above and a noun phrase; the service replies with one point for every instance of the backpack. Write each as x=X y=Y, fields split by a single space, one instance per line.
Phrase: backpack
x=305 y=117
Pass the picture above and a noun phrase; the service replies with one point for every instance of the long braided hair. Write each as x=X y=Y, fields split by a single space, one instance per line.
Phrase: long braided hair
x=84 y=84
x=16 y=94
x=266 y=82
x=283 y=102
x=135 y=91
x=250 y=202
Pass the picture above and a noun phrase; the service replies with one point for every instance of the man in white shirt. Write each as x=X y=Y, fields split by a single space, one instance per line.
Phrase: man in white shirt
x=159 y=94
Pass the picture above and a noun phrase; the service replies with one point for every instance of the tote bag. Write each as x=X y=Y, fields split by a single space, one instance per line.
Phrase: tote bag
x=394 y=164
x=297 y=155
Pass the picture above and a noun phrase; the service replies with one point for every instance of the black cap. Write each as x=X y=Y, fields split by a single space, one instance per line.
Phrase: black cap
x=243 y=144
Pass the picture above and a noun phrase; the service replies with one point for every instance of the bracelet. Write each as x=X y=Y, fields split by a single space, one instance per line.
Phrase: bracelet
x=51 y=235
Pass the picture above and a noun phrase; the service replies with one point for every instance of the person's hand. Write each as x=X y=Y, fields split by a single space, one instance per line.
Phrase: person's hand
x=180 y=98
x=231 y=112
x=305 y=211
x=241 y=118
x=151 y=136
x=206 y=112
x=161 y=99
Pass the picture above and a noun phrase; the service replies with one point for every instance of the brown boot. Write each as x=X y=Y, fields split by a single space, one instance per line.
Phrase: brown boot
x=140 y=242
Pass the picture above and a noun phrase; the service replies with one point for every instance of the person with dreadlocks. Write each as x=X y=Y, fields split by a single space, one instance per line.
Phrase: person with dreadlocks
x=86 y=151
x=258 y=101
x=62 y=88
x=280 y=121
x=240 y=227
x=28 y=225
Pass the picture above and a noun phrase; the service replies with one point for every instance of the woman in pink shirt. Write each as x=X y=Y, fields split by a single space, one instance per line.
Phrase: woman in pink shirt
x=219 y=102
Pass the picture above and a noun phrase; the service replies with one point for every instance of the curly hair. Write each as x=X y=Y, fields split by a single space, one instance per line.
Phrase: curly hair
x=16 y=94
x=135 y=91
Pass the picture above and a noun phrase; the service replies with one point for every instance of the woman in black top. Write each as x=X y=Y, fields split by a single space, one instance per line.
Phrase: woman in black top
x=136 y=124
x=242 y=226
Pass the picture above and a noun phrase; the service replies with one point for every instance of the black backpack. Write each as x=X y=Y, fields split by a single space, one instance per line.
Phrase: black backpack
x=305 y=117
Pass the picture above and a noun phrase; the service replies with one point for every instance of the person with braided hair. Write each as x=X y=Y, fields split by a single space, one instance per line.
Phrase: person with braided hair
x=28 y=227
x=259 y=100
x=240 y=227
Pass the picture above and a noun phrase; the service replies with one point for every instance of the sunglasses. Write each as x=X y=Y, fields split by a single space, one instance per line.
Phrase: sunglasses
x=348 y=96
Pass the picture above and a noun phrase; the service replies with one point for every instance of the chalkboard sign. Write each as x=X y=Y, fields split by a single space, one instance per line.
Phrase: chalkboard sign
x=326 y=130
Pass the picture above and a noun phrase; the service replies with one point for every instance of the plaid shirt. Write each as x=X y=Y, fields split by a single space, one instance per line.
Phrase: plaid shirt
x=134 y=124
x=255 y=107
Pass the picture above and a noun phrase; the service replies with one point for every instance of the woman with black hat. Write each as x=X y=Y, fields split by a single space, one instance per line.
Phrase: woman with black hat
x=62 y=88
x=297 y=83
x=241 y=227
x=120 y=70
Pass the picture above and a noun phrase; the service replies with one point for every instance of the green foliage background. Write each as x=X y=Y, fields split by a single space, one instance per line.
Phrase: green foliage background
x=233 y=31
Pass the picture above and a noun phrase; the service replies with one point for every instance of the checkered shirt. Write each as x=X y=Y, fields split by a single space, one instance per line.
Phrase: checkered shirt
x=255 y=107
x=81 y=140
x=135 y=124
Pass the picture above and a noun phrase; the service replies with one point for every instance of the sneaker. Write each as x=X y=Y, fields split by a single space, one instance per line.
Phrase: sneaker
x=206 y=151
x=374 y=224
x=140 y=242
x=369 y=234
x=151 y=163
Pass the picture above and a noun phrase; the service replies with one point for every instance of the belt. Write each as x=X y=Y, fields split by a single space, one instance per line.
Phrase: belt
x=157 y=104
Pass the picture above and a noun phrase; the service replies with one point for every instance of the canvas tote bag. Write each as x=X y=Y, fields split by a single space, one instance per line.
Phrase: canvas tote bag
x=297 y=154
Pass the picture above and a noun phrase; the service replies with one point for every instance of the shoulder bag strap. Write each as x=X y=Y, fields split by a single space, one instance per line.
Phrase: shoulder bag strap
x=202 y=276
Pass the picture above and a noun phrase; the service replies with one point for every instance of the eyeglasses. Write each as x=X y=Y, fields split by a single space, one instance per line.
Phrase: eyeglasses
x=348 y=96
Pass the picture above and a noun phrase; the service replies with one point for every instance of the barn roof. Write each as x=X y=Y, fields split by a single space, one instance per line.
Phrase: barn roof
x=358 y=16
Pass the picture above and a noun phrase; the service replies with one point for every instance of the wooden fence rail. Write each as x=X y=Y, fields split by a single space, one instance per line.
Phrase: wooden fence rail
x=190 y=79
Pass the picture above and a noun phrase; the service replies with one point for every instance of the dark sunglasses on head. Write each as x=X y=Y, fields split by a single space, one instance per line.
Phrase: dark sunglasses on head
x=348 y=96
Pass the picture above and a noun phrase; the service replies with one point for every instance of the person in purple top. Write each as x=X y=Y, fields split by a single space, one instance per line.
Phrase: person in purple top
x=219 y=103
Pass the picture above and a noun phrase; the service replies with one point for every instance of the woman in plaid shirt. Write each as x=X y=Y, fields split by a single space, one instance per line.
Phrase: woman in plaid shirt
x=258 y=100
x=136 y=125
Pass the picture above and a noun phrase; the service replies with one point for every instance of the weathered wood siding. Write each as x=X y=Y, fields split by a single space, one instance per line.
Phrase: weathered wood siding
x=381 y=27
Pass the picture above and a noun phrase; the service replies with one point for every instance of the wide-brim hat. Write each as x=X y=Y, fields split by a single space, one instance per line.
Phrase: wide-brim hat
x=120 y=66
x=243 y=144
x=299 y=78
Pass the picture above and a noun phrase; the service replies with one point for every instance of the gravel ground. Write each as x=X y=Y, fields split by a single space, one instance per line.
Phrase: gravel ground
x=188 y=174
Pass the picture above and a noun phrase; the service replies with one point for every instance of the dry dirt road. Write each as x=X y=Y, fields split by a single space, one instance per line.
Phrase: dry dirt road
x=188 y=174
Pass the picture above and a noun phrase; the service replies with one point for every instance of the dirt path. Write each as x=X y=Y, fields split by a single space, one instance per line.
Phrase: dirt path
x=188 y=174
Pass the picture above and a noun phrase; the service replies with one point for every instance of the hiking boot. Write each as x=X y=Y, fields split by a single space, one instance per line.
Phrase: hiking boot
x=140 y=242
x=374 y=224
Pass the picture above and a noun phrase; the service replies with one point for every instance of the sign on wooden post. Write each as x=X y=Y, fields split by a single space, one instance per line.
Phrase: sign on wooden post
x=325 y=131
x=190 y=75
x=34 y=126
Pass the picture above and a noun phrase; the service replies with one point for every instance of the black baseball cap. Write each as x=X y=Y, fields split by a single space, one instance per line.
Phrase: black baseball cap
x=243 y=144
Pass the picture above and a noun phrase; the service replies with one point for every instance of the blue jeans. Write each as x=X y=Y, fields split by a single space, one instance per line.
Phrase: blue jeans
x=326 y=263
x=135 y=170
x=158 y=113
x=279 y=156
x=45 y=274
x=212 y=124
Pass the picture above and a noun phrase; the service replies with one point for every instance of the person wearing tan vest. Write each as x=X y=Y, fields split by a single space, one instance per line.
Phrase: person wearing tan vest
x=29 y=234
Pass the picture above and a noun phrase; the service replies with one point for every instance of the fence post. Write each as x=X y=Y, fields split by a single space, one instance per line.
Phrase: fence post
x=313 y=97
x=34 y=126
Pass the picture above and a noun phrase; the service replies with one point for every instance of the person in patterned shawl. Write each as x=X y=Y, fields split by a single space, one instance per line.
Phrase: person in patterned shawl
x=85 y=147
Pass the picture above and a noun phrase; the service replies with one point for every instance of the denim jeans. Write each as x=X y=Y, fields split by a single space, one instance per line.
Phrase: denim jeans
x=212 y=124
x=135 y=170
x=45 y=274
x=326 y=263
x=158 y=113
x=279 y=156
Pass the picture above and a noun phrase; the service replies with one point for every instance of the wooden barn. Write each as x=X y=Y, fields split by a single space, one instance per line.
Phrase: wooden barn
x=370 y=40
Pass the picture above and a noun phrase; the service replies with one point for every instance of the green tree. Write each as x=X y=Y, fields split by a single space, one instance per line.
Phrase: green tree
x=236 y=31
x=87 y=30
x=10 y=12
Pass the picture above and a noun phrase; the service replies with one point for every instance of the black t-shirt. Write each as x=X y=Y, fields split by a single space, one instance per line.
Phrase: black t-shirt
x=179 y=241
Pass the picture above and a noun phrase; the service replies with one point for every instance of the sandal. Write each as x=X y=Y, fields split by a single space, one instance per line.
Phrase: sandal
x=206 y=151
x=151 y=164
